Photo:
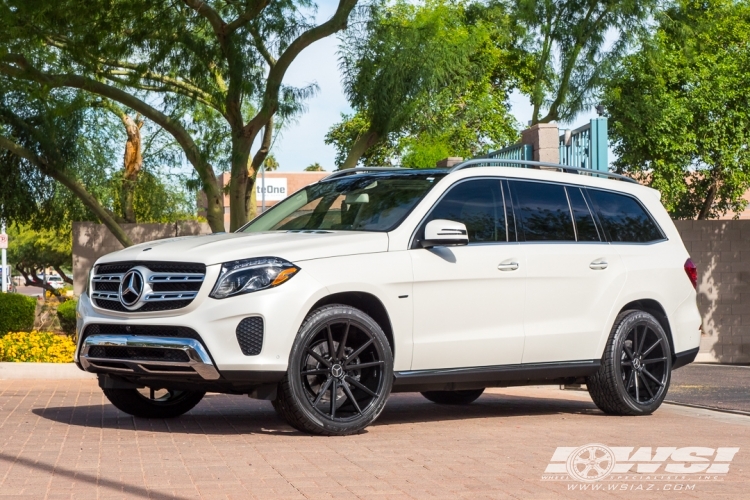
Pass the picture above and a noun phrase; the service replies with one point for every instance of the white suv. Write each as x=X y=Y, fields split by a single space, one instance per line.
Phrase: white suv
x=374 y=281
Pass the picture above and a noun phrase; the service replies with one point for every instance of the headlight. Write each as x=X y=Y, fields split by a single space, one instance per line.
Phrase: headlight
x=251 y=275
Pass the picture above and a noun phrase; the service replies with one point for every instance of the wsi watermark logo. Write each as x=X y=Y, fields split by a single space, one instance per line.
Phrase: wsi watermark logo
x=592 y=463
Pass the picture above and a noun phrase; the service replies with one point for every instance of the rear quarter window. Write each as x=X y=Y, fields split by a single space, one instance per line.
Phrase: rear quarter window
x=624 y=219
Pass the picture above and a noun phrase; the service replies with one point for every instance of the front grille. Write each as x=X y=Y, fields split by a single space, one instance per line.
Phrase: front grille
x=138 y=353
x=250 y=335
x=168 y=285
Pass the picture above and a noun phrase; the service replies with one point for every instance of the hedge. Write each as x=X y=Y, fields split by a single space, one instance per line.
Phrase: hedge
x=37 y=347
x=16 y=312
x=66 y=313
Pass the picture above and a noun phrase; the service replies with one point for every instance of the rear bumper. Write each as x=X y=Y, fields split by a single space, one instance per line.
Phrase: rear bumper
x=684 y=358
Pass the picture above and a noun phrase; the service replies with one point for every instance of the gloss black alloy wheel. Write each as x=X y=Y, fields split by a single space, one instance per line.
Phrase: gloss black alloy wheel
x=153 y=402
x=340 y=373
x=636 y=367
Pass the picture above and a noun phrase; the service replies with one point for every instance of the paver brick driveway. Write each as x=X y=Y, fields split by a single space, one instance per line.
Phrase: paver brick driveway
x=61 y=439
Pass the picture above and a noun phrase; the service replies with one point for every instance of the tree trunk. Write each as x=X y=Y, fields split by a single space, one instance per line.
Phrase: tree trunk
x=133 y=162
x=258 y=159
x=238 y=182
x=709 y=201
x=360 y=147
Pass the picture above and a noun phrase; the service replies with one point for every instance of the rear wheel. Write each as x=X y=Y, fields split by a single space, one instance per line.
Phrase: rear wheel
x=340 y=373
x=153 y=403
x=453 y=397
x=636 y=367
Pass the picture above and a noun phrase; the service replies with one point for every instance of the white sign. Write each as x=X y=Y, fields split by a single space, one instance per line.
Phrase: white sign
x=4 y=239
x=276 y=189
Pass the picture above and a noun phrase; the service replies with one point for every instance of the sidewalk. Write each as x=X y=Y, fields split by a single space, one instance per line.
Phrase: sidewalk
x=714 y=386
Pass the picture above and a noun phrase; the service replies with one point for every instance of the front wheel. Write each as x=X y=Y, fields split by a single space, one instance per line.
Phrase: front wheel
x=636 y=367
x=153 y=403
x=340 y=373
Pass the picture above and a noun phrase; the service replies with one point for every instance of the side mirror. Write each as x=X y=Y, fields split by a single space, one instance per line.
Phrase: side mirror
x=447 y=233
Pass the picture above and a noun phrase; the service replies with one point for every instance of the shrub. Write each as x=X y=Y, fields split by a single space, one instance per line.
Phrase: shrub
x=16 y=312
x=36 y=347
x=66 y=313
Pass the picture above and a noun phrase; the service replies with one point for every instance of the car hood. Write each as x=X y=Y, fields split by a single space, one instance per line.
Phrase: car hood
x=293 y=246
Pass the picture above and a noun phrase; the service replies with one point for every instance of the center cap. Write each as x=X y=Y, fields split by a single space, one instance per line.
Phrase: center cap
x=637 y=363
x=337 y=371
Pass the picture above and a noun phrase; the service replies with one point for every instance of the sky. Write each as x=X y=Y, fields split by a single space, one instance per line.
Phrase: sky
x=302 y=143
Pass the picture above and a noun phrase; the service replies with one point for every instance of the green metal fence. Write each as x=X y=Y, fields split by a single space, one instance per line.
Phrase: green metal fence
x=586 y=147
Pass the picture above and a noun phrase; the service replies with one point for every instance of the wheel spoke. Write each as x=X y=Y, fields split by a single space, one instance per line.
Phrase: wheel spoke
x=653 y=360
x=630 y=380
x=643 y=338
x=331 y=350
x=358 y=385
x=634 y=347
x=363 y=365
x=651 y=348
x=334 y=390
x=626 y=363
x=645 y=384
x=648 y=374
x=629 y=352
x=318 y=357
x=358 y=351
x=342 y=345
x=321 y=371
x=637 y=392
x=351 y=397
x=322 y=391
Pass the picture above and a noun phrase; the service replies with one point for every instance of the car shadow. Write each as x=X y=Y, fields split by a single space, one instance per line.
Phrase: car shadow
x=219 y=414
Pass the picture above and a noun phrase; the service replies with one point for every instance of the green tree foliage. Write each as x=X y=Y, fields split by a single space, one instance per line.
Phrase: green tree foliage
x=680 y=108
x=425 y=79
x=315 y=167
x=566 y=42
x=66 y=314
x=270 y=163
x=209 y=72
x=30 y=252
x=61 y=159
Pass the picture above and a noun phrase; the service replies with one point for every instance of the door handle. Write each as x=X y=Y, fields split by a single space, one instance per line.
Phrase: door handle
x=599 y=265
x=508 y=266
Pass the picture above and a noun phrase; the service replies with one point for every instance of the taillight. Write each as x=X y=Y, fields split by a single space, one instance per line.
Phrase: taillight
x=692 y=273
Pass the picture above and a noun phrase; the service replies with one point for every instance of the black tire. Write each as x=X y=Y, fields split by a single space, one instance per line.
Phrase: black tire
x=171 y=405
x=453 y=397
x=319 y=364
x=636 y=367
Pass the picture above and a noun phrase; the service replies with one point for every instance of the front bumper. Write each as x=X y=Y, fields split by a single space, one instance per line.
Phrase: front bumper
x=215 y=324
x=146 y=356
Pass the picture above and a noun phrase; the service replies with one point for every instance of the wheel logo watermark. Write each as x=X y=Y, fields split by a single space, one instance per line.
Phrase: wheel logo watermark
x=628 y=468
x=591 y=462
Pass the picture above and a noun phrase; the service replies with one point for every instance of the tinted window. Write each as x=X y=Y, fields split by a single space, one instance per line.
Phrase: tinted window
x=479 y=205
x=585 y=226
x=362 y=202
x=624 y=219
x=543 y=211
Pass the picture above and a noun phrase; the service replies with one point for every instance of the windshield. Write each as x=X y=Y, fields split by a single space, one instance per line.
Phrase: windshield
x=358 y=202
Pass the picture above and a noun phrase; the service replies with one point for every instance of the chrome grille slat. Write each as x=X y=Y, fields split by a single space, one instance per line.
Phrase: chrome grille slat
x=169 y=285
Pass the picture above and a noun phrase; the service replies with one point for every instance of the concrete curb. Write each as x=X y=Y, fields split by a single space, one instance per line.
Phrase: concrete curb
x=40 y=371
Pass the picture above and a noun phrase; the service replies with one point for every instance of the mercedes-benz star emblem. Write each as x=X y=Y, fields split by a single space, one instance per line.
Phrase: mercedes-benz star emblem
x=131 y=288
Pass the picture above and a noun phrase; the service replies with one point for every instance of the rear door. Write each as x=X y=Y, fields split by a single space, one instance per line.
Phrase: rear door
x=573 y=275
x=468 y=300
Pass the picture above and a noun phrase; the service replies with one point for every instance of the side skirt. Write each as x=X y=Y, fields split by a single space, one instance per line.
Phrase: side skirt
x=451 y=379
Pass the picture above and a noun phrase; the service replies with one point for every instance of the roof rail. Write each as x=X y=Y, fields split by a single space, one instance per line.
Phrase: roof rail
x=488 y=162
x=342 y=173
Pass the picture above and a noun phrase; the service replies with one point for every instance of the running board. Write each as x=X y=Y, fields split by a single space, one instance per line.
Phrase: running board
x=489 y=376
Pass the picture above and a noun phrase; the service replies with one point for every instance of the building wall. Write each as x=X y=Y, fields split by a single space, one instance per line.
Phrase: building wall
x=721 y=251
x=91 y=241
